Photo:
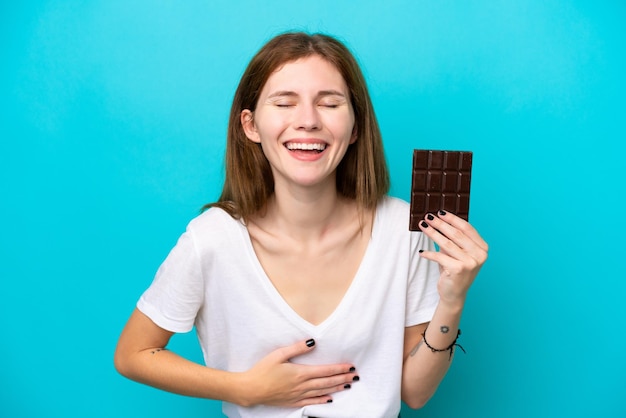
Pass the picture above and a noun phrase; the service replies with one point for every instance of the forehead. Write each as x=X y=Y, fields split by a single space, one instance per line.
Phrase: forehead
x=312 y=72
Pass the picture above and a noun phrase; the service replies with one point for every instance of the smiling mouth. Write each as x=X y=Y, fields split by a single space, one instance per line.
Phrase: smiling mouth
x=314 y=147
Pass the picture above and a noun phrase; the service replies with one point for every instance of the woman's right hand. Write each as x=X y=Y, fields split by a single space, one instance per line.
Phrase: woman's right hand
x=274 y=380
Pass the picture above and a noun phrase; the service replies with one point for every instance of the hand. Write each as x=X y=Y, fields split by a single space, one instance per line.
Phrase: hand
x=274 y=380
x=462 y=252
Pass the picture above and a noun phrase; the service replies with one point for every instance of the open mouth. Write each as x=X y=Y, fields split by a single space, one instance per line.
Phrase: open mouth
x=308 y=147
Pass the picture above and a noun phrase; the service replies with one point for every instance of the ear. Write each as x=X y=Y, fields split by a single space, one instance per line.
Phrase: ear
x=247 y=122
x=355 y=134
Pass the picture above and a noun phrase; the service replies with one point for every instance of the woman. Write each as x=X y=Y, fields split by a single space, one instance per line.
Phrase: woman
x=309 y=295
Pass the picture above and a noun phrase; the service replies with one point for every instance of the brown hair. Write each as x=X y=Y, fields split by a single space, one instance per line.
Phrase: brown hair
x=361 y=175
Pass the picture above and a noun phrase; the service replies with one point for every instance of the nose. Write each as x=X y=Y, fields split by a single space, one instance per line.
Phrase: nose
x=307 y=117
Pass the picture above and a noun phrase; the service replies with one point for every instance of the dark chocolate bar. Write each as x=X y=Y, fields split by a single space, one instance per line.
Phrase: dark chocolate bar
x=441 y=180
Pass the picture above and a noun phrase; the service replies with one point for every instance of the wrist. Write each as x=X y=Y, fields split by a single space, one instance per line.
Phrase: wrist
x=449 y=348
x=452 y=307
x=241 y=391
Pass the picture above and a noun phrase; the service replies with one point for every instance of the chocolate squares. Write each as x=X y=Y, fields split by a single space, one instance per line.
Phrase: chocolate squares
x=441 y=180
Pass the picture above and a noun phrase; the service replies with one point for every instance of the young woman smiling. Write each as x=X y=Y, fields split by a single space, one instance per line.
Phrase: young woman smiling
x=310 y=296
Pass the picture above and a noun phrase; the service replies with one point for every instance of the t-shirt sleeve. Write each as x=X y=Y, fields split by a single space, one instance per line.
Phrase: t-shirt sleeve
x=422 y=294
x=176 y=294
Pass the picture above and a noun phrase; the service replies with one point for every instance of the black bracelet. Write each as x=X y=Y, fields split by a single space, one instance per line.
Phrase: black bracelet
x=450 y=348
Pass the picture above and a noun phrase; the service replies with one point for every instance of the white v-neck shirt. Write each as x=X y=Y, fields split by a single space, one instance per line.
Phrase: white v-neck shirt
x=213 y=280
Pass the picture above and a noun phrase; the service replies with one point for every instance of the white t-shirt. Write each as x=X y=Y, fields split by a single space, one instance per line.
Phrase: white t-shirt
x=212 y=279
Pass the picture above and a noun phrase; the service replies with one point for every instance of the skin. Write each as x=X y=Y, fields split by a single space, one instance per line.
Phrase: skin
x=462 y=253
x=310 y=242
x=290 y=112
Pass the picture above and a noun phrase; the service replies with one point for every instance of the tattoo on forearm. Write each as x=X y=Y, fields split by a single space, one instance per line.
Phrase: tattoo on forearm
x=416 y=348
x=444 y=330
x=157 y=350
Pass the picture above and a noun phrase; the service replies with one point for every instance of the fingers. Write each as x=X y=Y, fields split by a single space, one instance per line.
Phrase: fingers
x=322 y=396
x=322 y=377
x=314 y=386
x=332 y=374
x=330 y=384
x=465 y=227
x=321 y=389
x=455 y=236
x=319 y=382
x=462 y=252
x=288 y=383
x=301 y=347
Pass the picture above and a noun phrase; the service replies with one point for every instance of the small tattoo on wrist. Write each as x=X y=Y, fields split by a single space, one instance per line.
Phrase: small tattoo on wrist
x=444 y=329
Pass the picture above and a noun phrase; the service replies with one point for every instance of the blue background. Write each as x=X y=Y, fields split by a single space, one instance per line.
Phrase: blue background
x=112 y=125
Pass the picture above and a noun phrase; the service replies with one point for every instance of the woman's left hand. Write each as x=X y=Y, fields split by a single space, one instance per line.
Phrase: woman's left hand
x=462 y=252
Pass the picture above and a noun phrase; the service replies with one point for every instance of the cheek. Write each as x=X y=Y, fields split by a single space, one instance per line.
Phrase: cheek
x=344 y=128
x=270 y=126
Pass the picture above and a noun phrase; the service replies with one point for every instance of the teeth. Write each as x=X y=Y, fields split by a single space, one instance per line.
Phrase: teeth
x=306 y=147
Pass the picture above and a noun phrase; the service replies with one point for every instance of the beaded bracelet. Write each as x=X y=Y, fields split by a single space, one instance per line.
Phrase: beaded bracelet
x=449 y=348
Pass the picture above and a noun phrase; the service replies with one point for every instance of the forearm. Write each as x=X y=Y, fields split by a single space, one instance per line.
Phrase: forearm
x=424 y=369
x=140 y=355
x=274 y=380
x=168 y=371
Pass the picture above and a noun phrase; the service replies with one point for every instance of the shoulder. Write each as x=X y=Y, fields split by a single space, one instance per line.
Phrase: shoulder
x=214 y=224
x=393 y=210
x=393 y=219
x=213 y=217
x=391 y=203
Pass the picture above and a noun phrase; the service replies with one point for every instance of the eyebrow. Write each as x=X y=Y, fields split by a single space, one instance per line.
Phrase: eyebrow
x=321 y=93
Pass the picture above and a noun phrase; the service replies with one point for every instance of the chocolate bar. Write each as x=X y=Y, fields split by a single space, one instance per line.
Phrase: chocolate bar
x=441 y=180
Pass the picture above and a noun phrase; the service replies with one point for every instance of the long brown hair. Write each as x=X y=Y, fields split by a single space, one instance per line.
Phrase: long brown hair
x=361 y=175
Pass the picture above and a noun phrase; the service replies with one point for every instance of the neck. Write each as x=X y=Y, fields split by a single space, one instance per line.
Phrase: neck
x=307 y=214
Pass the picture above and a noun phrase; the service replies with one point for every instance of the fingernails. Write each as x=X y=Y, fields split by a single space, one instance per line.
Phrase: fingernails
x=347 y=386
x=310 y=343
x=430 y=217
x=329 y=401
x=355 y=378
x=421 y=251
x=424 y=224
x=442 y=212
x=352 y=369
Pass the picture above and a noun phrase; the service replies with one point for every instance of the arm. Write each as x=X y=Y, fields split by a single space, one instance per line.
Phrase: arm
x=141 y=355
x=462 y=254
